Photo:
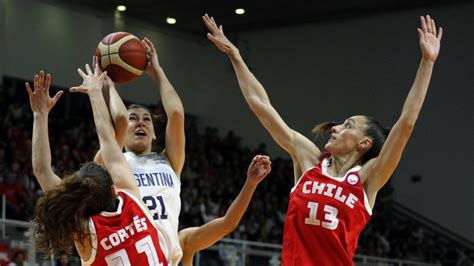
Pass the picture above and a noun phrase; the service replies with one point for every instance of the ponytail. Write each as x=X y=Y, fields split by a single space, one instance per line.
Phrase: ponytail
x=320 y=129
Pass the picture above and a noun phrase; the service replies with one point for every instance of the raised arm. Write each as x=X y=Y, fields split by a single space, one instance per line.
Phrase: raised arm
x=174 y=139
x=379 y=169
x=41 y=104
x=118 y=112
x=194 y=239
x=114 y=160
x=303 y=151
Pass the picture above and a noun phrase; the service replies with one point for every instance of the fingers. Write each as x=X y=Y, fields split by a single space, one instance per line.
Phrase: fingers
x=57 y=96
x=103 y=75
x=440 y=33
x=41 y=80
x=78 y=89
x=47 y=83
x=88 y=70
x=35 y=82
x=95 y=63
x=97 y=70
x=28 y=88
x=149 y=44
x=210 y=23
x=423 y=24
x=81 y=73
x=433 y=26
x=420 y=34
x=428 y=23
x=224 y=48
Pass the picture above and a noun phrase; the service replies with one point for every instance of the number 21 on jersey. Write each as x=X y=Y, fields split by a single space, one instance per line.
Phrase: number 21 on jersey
x=159 y=213
x=330 y=216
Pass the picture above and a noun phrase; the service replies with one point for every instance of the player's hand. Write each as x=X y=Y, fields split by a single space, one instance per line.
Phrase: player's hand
x=108 y=82
x=430 y=38
x=40 y=101
x=259 y=168
x=217 y=36
x=153 y=64
x=92 y=81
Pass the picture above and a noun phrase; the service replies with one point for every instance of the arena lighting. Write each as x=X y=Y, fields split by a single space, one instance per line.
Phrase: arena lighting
x=170 y=20
x=240 y=11
x=121 y=8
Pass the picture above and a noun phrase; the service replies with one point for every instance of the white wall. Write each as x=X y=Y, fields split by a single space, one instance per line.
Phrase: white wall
x=313 y=73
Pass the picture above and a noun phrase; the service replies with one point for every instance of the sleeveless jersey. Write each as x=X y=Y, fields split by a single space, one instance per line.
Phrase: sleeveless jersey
x=127 y=236
x=160 y=188
x=325 y=218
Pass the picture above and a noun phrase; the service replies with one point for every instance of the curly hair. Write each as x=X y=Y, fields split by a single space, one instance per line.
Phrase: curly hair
x=62 y=212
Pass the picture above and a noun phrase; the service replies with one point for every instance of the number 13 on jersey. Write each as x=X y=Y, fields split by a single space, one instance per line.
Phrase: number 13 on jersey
x=330 y=216
x=159 y=212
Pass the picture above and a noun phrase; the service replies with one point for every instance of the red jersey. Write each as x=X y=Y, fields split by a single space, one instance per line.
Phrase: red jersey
x=325 y=218
x=125 y=237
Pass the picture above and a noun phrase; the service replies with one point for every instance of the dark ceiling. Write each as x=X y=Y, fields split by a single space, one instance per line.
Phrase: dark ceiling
x=259 y=13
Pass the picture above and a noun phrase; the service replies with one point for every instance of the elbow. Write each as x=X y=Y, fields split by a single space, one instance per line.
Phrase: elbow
x=256 y=104
x=406 y=126
x=229 y=227
x=177 y=114
x=407 y=122
x=37 y=171
x=121 y=120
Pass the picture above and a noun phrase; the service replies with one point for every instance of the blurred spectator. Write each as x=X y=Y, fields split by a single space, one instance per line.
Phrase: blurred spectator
x=213 y=174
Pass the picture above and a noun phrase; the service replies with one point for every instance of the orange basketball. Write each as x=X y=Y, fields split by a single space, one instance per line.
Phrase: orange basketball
x=122 y=55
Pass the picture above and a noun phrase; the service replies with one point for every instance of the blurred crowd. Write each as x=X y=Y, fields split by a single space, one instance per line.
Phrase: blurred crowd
x=215 y=170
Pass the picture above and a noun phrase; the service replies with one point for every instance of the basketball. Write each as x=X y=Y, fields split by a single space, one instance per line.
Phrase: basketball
x=122 y=55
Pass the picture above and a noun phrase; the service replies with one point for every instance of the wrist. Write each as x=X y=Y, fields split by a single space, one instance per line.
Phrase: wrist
x=234 y=54
x=251 y=183
x=155 y=73
x=40 y=114
x=94 y=94
x=427 y=62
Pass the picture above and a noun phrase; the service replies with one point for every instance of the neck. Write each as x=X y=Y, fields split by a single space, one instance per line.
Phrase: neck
x=139 y=152
x=339 y=165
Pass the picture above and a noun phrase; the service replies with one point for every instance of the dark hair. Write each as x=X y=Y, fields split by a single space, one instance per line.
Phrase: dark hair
x=160 y=117
x=62 y=211
x=378 y=134
x=320 y=129
x=374 y=130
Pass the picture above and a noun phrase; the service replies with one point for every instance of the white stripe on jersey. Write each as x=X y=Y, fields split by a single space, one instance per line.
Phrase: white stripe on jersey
x=159 y=189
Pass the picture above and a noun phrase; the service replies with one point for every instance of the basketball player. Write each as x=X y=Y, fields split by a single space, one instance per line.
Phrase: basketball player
x=157 y=174
x=97 y=210
x=334 y=191
x=193 y=239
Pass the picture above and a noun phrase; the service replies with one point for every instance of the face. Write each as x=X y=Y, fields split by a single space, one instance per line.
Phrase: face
x=140 y=131
x=348 y=136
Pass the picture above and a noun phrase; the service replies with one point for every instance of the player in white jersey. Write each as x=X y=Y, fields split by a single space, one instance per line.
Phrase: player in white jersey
x=157 y=174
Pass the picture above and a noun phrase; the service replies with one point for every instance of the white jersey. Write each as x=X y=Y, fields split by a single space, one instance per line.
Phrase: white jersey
x=160 y=188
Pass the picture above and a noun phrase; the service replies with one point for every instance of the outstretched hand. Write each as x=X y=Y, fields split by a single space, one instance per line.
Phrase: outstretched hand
x=430 y=38
x=92 y=81
x=217 y=36
x=40 y=101
x=259 y=168
x=108 y=82
x=153 y=63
